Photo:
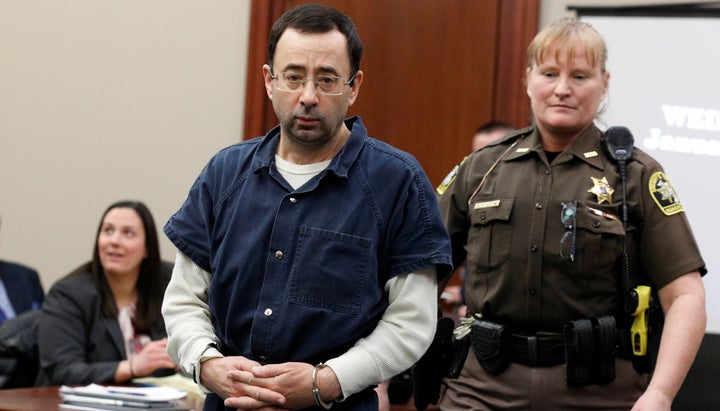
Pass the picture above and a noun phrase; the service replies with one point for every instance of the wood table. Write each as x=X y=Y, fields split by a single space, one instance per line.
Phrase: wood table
x=49 y=399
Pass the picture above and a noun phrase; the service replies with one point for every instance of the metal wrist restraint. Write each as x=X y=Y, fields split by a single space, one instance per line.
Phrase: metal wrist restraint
x=316 y=391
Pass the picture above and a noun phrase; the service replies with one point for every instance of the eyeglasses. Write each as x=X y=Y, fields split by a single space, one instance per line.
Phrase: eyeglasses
x=326 y=84
x=567 y=241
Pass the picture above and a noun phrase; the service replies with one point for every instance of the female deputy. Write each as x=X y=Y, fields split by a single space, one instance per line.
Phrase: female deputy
x=102 y=322
x=539 y=216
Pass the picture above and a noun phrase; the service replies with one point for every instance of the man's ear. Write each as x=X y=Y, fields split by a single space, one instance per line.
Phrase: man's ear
x=355 y=88
x=268 y=80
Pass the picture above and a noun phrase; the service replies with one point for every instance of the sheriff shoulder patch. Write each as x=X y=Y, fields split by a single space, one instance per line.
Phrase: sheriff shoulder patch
x=664 y=195
x=448 y=180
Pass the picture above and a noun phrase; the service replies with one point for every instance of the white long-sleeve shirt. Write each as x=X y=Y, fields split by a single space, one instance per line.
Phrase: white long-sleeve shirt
x=403 y=334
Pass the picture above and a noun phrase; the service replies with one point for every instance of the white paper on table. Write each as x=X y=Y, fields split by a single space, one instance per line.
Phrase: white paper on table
x=148 y=394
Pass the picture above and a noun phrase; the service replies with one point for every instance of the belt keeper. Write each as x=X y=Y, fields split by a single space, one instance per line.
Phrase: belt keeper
x=316 y=391
x=533 y=349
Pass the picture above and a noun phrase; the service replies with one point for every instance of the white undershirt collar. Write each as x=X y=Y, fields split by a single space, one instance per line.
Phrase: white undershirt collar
x=299 y=174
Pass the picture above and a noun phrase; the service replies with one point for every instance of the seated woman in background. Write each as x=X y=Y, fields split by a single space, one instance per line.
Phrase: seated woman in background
x=102 y=322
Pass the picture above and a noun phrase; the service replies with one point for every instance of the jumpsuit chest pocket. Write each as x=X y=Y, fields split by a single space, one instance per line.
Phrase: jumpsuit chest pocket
x=600 y=235
x=490 y=234
x=330 y=270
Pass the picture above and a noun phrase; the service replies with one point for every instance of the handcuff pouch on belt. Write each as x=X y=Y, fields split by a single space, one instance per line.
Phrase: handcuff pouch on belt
x=488 y=341
x=590 y=350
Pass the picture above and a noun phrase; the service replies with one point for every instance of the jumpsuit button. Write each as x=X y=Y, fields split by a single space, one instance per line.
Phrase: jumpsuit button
x=533 y=248
x=268 y=312
x=532 y=291
x=279 y=255
x=547 y=172
x=538 y=206
x=293 y=200
x=596 y=224
x=483 y=216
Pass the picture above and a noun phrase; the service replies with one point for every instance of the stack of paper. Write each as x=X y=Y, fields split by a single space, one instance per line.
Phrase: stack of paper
x=195 y=396
x=95 y=397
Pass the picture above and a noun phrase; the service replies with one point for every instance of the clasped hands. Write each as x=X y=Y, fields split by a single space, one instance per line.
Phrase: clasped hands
x=245 y=384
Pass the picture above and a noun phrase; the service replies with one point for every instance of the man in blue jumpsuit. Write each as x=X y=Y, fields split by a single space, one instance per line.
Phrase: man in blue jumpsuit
x=307 y=258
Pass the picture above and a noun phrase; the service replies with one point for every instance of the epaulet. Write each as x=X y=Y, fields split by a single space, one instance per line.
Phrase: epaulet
x=440 y=189
x=511 y=137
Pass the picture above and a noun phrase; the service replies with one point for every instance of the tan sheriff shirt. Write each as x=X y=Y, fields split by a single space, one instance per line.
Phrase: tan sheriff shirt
x=510 y=231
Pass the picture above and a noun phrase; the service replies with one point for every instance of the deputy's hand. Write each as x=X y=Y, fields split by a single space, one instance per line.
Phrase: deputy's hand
x=152 y=357
x=230 y=377
x=652 y=400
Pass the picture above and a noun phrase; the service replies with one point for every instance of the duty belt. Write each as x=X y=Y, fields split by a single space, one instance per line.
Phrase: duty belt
x=586 y=346
x=495 y=348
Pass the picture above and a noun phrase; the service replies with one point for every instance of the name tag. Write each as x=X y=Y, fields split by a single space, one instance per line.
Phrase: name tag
x=487 y=204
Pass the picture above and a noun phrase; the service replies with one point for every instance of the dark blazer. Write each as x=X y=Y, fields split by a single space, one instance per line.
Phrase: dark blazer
x=22 y=285
x=77 y=345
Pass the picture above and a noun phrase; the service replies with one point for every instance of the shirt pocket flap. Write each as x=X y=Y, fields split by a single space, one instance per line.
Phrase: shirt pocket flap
x=599 y=221
x=485 y=212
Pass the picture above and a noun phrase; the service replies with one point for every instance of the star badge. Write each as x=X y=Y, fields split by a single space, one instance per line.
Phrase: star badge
x=601 y=188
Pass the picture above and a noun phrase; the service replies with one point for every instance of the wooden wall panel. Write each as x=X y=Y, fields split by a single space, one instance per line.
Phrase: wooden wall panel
x=259 y=115
x=518 y=25
x=434 y=71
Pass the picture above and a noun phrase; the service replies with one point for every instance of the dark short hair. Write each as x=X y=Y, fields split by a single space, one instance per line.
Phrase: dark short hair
x=317 y=18
x=494 y=125
x=151 y=282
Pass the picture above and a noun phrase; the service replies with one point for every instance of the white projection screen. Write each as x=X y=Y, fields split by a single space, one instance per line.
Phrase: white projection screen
x=665 y=87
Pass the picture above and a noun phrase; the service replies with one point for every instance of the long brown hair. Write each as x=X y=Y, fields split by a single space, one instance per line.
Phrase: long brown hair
x=151 y=282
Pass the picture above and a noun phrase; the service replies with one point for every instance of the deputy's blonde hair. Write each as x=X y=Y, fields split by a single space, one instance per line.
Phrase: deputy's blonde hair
x=559 y=38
